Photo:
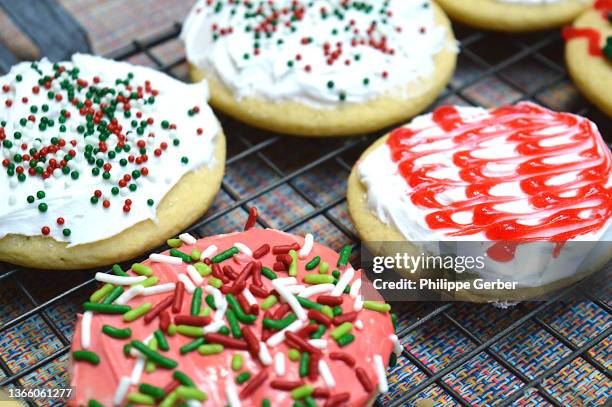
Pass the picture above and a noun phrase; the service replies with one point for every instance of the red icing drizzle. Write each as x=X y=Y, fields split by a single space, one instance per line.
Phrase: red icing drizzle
x=603 y=6
x=592 y=35
x=557 y=212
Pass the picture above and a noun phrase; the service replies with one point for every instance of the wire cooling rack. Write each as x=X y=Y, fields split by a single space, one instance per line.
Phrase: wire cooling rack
x=556 y=352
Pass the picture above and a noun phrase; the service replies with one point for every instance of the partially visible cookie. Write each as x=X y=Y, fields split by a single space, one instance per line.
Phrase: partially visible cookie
x=588 y=54
x=514 y=15
x=100 y=161
x=323 y=68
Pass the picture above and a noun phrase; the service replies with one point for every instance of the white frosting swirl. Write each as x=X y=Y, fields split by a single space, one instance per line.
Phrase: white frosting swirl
x=69 y=198
x=291 y=62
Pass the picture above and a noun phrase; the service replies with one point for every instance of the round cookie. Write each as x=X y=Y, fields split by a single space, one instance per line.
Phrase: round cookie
x=334 y=75
x=588 y=54
x=386 y=207
x=101 y=161
x=235 y=326
x=514 y=15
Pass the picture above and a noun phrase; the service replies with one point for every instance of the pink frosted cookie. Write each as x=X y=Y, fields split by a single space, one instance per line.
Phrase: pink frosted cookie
x=255 y=318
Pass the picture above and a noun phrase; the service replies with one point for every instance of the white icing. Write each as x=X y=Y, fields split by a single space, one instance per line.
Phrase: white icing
x=70 y=198
x=417 y=41
x=388 y=197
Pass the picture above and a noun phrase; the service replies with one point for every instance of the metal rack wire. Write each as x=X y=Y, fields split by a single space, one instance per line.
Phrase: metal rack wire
x=485 y=59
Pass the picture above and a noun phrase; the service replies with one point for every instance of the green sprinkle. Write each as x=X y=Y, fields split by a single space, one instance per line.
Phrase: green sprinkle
x=183 y=378
x=210 y=300
x=196 y=301
x=191 y=331
x=243 y=377
x=323 y=268
x=318 y=334
x=303 y=368
x=117 y=332
x=142 y=269
x=106 y=308
x=137 y=312
x=203 y=269
x=183 y=256
x=224 y=331
x=280 y=323
x=224 y=255
x=341 y=330
x=170 y=400
x=345 y=253
x=117 y=291
x=345 y=340
x=157 y=358
x=294 y=263
x=174 y=243
x=337 y=310
x=204 y=312
x=161 y=340
x=268 y=273
x=195 y=255
x=151 y=281
x=118 y=271
x=172 y=329
x=191 y=346
x=269 y=302
x=232 y=320
x=294 y=355
x=318 y=279
x=139 y=398
x=190 y=393
x=210 y=349
x=303 y=391
x=313 y=263
x=94 y=403
x=266 y=403
x=240 y=314
x=309 y=402
x=376 y=306
x=126 y=350
x=237 y=362
x=101 y=293
x=306 y=303
x=86 y=356
x=153 y=391
x=215 y=282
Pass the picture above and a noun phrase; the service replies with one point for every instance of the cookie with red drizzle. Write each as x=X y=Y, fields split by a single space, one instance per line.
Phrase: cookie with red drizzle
x=233 y=326
x=513 y=175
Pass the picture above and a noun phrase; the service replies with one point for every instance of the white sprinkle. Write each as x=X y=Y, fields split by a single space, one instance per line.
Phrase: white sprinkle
x=318 y=343
x=187 y=238
x=232 y=395
x=129 y=294
x=285 y=281
x=86 y=329
x=294 y=289
x=397 y=345
x=193 y=403
x=137 y=370
x=264 y=354
x=307 y=248
x=189 y=286
x=242 y=248
x=162 y=258
x=249 y=296
x=381 y=374
x=122 y=389
x=326 y=374
x=220 y=302
x=279 y=364
x=159 y=289
x=355 y=288
x=213 y=327
x=195 y=276
x=291 y=300
x=209 y=252
x=358 y=304
x=344 y=281
x=359 y=324
x=316 y=290
x=279 y=337
x=119 y=280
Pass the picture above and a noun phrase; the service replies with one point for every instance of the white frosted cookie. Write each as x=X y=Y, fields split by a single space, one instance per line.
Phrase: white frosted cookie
x=514 y=15
x=319 y=68
x=526 y=182
x=588 y=54
x=100 y=161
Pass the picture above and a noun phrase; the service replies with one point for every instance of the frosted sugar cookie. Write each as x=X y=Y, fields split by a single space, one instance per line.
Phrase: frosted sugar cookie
x=588 y=54
x=100 y=161
x=525 y=181
x=259 y=318
x=320 y=68
x=514 y=15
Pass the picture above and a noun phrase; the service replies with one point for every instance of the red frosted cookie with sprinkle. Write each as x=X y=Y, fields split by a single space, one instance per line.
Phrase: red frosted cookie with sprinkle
x=255 y=318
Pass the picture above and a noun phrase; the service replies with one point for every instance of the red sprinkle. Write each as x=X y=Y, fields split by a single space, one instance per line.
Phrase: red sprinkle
x=364 y=379
x=307 y=330
x=170 y=387
x=261 y=251
x=158 y=308
x=226 y=341
x=255 y=383
x=164 y=321
x=252 y=218
x=345 y=357
x=279 y=266
x=302 y=344
x=285 y=259
x=319 y=317
x=348 y=317
x=313 y=366
x=281 y=311
x=258 y=291
x=251 y=340
x=283 y=249
x=191 y=320
x=179 y=291
x=257 y=275
x=338 y=399
x=320 y=393
x=286 y=385
x=330 y=300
